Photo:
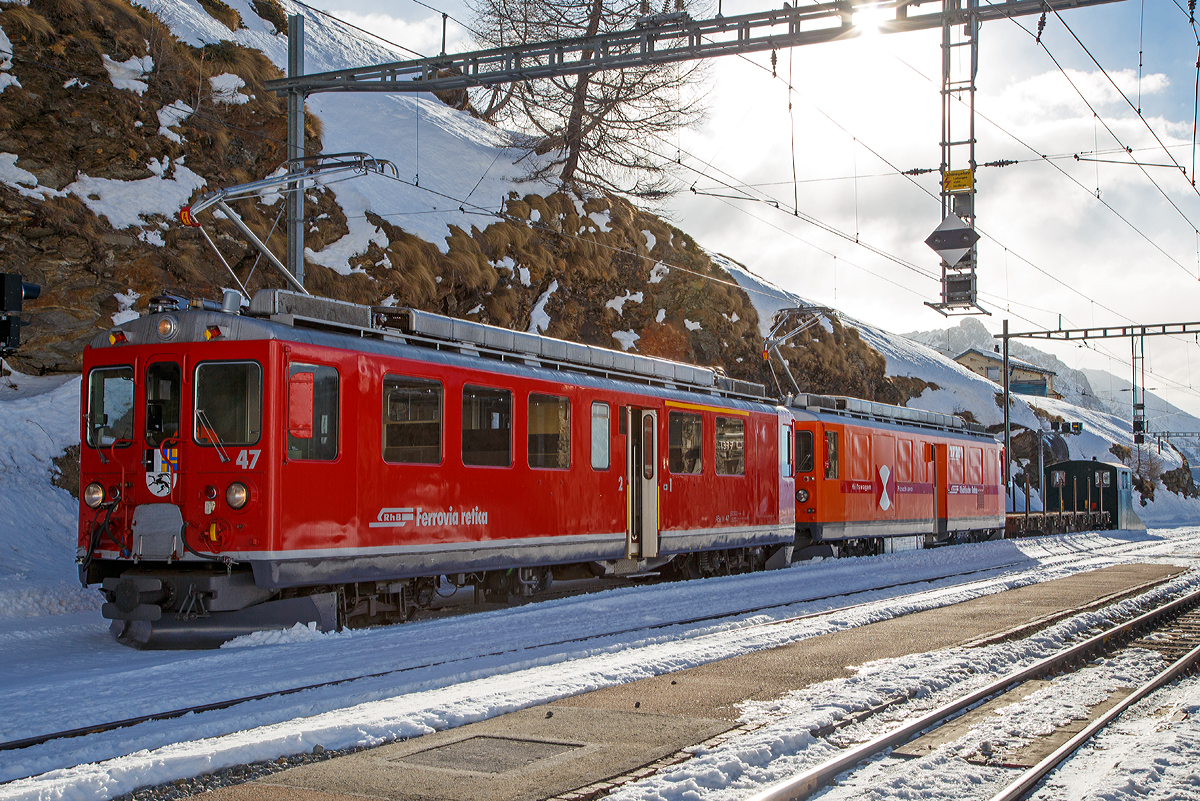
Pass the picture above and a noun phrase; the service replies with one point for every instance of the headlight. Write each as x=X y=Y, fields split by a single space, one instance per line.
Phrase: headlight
x=802 y=495
x=237 y=495
x=167 y=327
x=93 y=495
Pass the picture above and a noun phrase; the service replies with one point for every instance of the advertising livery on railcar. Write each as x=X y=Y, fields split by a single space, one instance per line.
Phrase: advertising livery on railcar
x=315 y=461
x=872 y=478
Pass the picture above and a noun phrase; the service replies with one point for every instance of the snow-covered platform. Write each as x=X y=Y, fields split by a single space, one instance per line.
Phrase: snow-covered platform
x=585 y=741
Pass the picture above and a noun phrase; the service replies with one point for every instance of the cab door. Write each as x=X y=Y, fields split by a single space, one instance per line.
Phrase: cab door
x=941 y=489
x=318 y=482
x=164 y=393
x=157 y=495
x=641 y=540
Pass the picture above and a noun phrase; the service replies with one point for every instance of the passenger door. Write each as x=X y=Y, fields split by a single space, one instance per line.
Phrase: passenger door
x=318 y=484
x=641 y=540
x=884 y=455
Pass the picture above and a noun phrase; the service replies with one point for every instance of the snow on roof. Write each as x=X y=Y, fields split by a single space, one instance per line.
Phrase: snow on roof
x=995 y=357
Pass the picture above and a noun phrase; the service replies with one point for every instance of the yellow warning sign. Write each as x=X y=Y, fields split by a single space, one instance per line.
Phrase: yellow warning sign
x=958 y=181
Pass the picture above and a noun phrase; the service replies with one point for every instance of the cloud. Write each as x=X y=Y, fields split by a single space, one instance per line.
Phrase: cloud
x=1051 y=95
x=422 y=35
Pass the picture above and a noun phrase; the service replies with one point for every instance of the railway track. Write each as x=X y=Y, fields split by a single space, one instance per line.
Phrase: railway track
x=27 y=742
x=1172 y=629
x=969 y=577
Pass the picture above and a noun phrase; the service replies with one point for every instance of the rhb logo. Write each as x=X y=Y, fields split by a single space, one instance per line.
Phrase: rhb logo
x=394 y=517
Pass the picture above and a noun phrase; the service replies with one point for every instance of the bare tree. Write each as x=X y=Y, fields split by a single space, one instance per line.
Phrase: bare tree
x=602 y=129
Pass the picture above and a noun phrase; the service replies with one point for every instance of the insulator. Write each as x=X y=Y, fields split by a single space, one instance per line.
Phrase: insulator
x=774 y=61
x=1042 y=26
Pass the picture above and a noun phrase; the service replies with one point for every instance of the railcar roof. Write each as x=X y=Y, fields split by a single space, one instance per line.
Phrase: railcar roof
x=839 y=408
x=409 y=333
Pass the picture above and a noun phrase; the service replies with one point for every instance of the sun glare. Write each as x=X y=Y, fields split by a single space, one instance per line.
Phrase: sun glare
x=869 y=18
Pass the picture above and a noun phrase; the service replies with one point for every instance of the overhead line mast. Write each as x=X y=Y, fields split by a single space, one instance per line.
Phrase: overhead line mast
x=674 y=37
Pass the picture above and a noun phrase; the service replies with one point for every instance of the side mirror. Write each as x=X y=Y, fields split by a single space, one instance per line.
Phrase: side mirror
x=300 y=405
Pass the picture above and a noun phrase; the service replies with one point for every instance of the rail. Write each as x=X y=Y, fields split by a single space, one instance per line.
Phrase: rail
x=98 y=728
x=805 y=784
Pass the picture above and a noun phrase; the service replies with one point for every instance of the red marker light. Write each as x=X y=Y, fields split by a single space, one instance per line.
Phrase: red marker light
x=213 y=331
x=117 y=337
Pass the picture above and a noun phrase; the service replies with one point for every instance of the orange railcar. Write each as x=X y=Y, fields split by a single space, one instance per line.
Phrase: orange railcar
x=874 y=478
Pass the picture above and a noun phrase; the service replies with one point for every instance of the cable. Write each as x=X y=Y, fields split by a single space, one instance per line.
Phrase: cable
x=1137 y=109
x=1109 y=129
x=811 y=220
x=1072 y=179
x=364 y=30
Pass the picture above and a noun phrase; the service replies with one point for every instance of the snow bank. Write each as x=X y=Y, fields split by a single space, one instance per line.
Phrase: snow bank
x=39 y=419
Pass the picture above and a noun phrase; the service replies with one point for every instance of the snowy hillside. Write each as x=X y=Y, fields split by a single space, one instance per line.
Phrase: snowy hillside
x=453 y=157
x=1072 y=384
x=958 y=389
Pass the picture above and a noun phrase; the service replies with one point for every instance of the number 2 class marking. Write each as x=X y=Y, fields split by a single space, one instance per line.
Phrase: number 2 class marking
x=246 y=459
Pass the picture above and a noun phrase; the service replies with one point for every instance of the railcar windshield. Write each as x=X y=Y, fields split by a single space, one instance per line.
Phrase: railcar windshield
x=804 y=451
x=228 y=404
x=110 y=407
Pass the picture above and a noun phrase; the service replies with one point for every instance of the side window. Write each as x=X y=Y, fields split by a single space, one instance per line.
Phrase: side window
x=685 y=433
x=1058 y=478
x=312 y=412
x=412 y=420
x=804 y=451
x=601 y=435
x=904 y=453
x=831 y=454
x=162 y=402
x=487 y=427
x=954 y=458
x=730 y=444
x=859 y=456
x=549 y=431
x=110 y=407
x=785 y=449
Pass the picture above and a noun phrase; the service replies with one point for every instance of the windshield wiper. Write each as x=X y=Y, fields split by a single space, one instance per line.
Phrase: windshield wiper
x=210 y=433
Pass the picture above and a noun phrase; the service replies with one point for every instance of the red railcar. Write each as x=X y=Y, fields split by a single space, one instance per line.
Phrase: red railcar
x=872 y=478
x=317 y=461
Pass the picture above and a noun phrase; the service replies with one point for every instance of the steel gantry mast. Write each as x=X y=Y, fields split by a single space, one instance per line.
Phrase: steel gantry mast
x=960 y=63
x=674 y=37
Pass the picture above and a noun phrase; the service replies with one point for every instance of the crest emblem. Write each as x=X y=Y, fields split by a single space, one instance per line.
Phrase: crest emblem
x=160 y=480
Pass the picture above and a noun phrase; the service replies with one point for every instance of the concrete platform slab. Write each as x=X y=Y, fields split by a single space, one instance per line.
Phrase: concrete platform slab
x=522 y=755
x=591 y=739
